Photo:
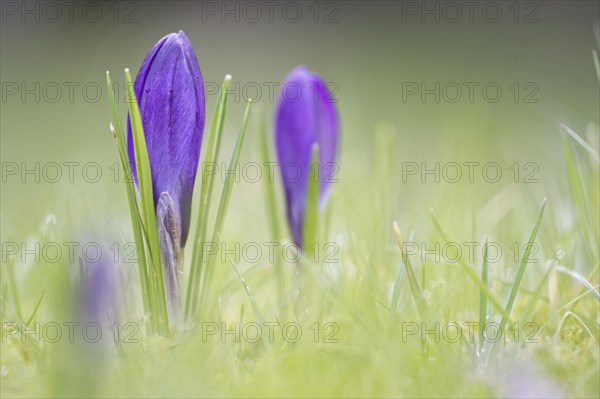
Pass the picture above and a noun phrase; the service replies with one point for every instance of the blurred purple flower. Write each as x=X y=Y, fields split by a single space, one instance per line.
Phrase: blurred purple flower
x=101 y=296
x=306 y=115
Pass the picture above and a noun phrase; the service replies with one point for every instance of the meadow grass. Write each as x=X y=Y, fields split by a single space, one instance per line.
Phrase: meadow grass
x=359 y=317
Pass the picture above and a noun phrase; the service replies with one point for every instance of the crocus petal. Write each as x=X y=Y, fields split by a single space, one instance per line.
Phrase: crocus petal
x=170 y=93
x=306 y=114
x=170 y=250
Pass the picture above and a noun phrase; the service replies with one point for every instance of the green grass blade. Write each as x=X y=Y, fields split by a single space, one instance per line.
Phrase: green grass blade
x=311 y=215
x=415 y=289
x=578 y=277
x=483 y=304
x=535 y=297
x=596 y=64
x=14 y=290
x=471 y=273
x=5 y=308
x=255 y=308
x=139 y=234
x=271 y=202
x=224 y=202
x=134 y=212
x=396 y=290
x=35 y=310
x=572 y=301
x=270 y=188
x=581 y=142
x=211 y=155
x=519 y=277
x=580 y=197
x=142 y=163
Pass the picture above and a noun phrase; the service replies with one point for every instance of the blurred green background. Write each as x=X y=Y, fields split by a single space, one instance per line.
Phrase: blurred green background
x=369 y=50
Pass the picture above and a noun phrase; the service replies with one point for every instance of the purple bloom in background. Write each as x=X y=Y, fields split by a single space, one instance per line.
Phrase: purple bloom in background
x=306 y=115
x=170 y=93
x=101 y=296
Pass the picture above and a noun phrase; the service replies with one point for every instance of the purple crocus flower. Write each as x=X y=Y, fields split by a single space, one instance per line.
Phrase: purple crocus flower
x=170 y=93
x=99 y=311
x=306 y=115
x=100 y=288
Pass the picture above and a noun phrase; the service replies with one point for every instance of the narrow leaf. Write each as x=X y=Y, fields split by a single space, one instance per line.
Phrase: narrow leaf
x=271 y=203
x=470 y=272
x=224 y=202
x=521 y=270
x=35 y=310
x=483 y=300
x=415 y=289
x=117 y=130
x=210 y=157
x=142 y=164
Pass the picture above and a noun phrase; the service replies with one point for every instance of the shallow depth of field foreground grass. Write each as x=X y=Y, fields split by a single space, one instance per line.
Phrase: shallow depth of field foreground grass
x=373 y=335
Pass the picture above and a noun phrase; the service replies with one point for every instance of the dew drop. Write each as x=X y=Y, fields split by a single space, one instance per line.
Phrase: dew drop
x=50 y=219
x=559 y=254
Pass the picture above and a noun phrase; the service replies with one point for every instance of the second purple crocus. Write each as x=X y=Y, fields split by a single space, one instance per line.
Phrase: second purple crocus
x=306 y=115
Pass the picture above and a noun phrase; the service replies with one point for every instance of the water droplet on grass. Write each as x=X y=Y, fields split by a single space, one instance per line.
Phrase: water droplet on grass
x=50 y=219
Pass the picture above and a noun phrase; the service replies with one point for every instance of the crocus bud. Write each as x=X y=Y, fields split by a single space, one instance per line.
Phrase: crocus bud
x=306 y=115
x=170 y=93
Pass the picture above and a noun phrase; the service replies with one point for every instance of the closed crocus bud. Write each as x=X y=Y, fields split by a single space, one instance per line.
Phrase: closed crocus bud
x=306 y=115
x=170 y=93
